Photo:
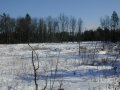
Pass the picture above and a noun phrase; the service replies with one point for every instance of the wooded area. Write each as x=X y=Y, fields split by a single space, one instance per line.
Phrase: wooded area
x=58 y=29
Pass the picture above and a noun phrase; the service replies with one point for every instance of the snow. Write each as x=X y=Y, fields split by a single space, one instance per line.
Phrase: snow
x=102 y=52
x=84 y=72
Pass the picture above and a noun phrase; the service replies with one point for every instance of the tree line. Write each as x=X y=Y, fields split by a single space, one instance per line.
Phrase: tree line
x=58 y=29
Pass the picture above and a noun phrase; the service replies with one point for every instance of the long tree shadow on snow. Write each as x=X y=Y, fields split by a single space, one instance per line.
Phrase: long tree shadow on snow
x=92 y=73
x=89 y=73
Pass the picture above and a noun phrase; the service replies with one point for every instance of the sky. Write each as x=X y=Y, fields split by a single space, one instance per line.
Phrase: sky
x=90 y=11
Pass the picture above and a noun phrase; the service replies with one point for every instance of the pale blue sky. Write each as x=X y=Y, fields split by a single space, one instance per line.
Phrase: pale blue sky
x=89 y=10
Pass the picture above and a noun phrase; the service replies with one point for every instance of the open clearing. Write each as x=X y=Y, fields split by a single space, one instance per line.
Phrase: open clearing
x=93 y=69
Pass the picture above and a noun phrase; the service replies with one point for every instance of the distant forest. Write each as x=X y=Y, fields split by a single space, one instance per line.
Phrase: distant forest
x=58 y=29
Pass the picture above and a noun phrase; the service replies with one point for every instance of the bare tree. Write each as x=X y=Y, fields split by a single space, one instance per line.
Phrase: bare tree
x=106 y=26
x=73 y=26
x=6 y=26
x=55 y=29
x=50 y=28
x=105 y=22
x=63 y=24
x=79 y=30
x=56 y=69
x=35 y=67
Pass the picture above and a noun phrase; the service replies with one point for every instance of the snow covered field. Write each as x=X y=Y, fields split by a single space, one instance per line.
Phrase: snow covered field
x=60 y=63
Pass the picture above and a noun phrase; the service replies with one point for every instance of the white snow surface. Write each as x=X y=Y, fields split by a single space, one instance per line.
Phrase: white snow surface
x=76 y=72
